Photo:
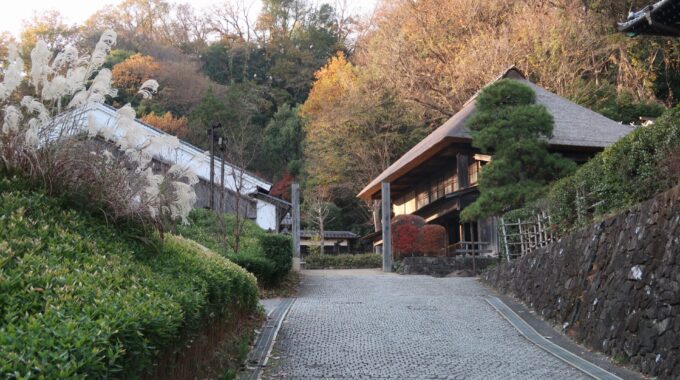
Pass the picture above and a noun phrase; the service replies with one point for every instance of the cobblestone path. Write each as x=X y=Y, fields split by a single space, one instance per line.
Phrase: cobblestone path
x=368 y=325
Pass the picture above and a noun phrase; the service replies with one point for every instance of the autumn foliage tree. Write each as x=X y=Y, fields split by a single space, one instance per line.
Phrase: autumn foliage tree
x=132 y=72
x=436 y=54
x=168 y=123
x=351 y=119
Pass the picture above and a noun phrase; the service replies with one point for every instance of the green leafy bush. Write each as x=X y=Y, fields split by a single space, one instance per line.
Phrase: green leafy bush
x=206 y=228
x=343 y=261
x=267 y=256
x=79 y=298
x=631 y=170
x=260 y=266
x=279 y=249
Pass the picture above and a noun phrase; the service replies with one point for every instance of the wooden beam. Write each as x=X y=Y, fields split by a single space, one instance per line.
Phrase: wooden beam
x=386 y=228
x=462 y=161
x=295 y=188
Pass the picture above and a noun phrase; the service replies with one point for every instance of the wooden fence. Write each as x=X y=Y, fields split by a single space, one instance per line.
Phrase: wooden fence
x=519 y=237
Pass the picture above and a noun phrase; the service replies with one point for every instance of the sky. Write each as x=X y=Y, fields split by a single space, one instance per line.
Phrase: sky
x=77 y=11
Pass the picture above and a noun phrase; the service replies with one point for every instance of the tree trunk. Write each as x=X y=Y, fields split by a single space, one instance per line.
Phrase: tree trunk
x=375 y=211
x=323 y=234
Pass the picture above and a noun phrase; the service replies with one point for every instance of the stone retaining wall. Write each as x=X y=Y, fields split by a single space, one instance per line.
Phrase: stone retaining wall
x=442 y=266
x=614 y=286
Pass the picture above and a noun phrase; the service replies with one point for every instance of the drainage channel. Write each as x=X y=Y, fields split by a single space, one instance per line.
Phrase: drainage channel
x=265 y=341
x=533 y=336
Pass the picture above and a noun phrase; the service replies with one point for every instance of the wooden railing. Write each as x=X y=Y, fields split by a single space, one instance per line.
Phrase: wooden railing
x=472 y=248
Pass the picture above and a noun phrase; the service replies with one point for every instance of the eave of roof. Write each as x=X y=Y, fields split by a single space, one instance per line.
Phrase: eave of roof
x=659 y=19
x=271 y=199
x=575 y=126
x=330 y=234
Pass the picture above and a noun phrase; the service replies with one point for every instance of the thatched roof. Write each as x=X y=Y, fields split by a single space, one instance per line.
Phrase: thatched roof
x=575 y=127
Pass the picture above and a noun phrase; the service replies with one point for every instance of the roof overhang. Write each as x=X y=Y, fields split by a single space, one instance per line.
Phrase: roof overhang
x=401 y=170
x=659 y=19
x=278 y=202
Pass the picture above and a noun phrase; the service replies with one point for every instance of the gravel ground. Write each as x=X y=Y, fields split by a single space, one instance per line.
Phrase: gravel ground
x=363 y=324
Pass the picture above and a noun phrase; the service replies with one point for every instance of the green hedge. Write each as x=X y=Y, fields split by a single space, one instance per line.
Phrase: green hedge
x=268 y=256
x=343 y=261
x=279 y=249
x=631 y=170
x=79 y=298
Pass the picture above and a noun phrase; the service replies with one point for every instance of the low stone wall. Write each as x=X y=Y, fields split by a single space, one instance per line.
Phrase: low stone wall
x=614 y=286
x=442 y=266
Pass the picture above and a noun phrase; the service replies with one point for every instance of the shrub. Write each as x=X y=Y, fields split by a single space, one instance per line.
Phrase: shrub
x=267 y=256
x=205 y=227
x=80 y=298
x=411 y=236
x=260 y=266
x=279 y=249
x=405 y=230
x=431 y=240
x=343 y=261
x=631 y=170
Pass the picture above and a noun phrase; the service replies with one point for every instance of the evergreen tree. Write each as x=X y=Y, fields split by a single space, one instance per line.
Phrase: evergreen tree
x=510 y=125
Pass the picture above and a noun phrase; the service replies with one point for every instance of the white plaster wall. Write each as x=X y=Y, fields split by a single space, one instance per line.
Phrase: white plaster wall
x=186 y=156
x=266 y=215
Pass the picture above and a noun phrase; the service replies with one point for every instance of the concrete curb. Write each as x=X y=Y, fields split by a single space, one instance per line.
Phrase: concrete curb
x=259 y=356
x=533 y=336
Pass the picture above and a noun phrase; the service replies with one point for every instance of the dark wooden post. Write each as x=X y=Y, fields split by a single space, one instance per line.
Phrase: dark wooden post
x=211 y=134
x=222 y=145
x=295 y=188
x=462 y=162
x=386 y=228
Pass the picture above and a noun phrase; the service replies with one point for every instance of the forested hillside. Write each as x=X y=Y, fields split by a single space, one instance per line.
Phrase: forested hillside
x=306 y=90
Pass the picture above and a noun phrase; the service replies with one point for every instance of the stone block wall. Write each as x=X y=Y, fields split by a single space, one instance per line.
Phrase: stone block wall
x=442 y=266
x=613 y=286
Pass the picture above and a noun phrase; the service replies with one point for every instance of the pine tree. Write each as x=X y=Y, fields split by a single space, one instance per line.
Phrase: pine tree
x=510 y=125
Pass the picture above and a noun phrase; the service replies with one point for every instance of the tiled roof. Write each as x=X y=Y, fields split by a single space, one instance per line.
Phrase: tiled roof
x=329 y=234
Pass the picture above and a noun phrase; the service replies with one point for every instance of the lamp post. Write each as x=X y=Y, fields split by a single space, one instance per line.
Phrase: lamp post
x=211 y=135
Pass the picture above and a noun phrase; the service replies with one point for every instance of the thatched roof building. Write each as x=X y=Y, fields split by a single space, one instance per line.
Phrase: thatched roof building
x=577 y=130
x=437 y=178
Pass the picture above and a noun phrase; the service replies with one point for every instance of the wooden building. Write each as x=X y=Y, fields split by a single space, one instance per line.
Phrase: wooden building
x=268 y=212
x=437 y=178
x=334 y=242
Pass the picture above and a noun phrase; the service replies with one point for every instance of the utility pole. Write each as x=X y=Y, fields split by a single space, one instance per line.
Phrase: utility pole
x=295 y=188
x=223 y=147
x=211 y=135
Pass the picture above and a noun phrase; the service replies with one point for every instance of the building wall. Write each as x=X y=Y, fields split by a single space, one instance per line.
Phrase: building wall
x=266 y=216
x=614 y=285
x=247 y=205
